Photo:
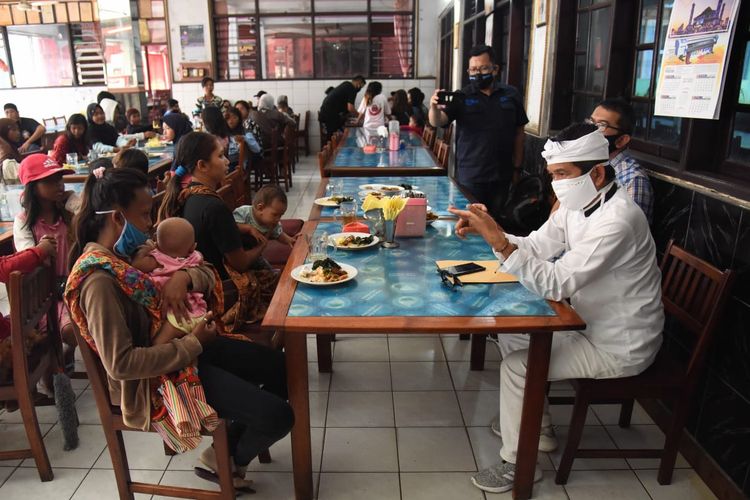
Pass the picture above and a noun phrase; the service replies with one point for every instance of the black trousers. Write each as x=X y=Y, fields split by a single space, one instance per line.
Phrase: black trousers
x=493 y=195
x=246 y=384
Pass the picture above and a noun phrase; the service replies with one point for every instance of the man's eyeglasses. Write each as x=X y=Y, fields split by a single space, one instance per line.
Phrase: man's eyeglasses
x=480 y=70
x=602 y=125
x=450 y=280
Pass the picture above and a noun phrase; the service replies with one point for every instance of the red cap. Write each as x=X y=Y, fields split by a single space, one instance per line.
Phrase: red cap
x=39 y=166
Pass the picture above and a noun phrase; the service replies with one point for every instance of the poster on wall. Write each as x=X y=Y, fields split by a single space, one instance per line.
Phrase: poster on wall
x=192 y=42
x=696 y=48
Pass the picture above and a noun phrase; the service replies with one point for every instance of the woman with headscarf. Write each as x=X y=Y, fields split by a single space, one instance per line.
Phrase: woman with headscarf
x=102 y=137
x=9 y=155
x=175 y=126
x=269 y=118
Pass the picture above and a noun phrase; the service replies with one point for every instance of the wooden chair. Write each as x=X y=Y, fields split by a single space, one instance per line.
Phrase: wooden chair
x=322 y=160
x=436 y=146
x=49 y=122
x=448 y=134
x=428 y=134
x=286 y=158
x=158 y=198
x=113 y=427
x=267 y=169
x=304 y=133
x=226 y=193
x=31 y=296
x=443 y=154
x=694 y=293
x=60 y=120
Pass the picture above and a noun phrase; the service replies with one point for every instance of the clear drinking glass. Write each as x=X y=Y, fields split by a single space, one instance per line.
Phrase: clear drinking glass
x=335 y=186
x=71 y=158
x=317 y=246
x=348 y=212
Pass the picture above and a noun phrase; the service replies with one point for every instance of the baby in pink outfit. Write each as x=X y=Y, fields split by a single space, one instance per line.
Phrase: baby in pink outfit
x=175 y=250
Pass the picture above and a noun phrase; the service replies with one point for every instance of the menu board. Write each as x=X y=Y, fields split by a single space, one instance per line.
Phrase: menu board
x=695 y=52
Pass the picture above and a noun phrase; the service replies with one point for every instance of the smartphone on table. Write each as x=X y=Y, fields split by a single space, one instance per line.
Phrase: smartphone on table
x=468 y=268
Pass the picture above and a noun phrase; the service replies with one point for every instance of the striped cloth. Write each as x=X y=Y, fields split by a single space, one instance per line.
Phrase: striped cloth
x=633 y=178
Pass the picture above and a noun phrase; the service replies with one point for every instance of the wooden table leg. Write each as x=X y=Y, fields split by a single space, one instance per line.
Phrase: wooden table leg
x=325 y=360
x=296 y=370
x=540 y=346
x=478 y=350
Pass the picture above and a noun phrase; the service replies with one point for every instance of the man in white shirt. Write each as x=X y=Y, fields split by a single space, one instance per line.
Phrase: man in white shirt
x=608 y=271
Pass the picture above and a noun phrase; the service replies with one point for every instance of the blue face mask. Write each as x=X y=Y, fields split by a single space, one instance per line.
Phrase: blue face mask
x=482 y=80
x=130 y=238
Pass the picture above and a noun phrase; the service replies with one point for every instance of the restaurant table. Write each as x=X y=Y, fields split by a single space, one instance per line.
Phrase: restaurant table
x=358 y=137
x=157 y=165
x=399 y=291
x=441 y=192
x=415 y=158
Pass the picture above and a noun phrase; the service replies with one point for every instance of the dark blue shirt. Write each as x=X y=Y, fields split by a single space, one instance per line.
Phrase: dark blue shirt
x=486 y=132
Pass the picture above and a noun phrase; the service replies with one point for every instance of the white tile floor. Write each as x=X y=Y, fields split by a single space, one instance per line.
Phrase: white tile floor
x=401 y=417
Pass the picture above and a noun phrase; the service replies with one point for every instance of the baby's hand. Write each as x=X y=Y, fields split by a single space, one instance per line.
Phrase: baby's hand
x=145 y=263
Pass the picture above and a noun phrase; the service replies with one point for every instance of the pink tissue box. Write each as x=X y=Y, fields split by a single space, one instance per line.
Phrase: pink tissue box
x=412 y=219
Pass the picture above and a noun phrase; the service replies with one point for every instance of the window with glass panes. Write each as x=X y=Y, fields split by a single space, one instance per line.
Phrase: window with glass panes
x=154 y=47
x=661 y=134
x=739 y=142
x=500 y=37
x=446 y=50
x=293 y=39
x=474 y=28
x=52 y=45
x=593 y=37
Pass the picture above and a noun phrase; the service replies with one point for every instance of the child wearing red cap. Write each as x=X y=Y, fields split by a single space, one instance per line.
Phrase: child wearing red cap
x=47 y=212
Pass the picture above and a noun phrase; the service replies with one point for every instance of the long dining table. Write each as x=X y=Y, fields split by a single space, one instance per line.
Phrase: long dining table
x=349 y=159
x=399 y=291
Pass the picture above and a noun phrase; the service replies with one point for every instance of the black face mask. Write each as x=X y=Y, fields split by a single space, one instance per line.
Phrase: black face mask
x=612 y=139
x=482 y=81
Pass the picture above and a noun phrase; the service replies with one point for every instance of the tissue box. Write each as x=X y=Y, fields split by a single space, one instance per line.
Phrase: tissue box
x=412 y=219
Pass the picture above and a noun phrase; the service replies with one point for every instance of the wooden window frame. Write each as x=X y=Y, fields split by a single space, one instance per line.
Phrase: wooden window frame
x=312 y=14
x=446 y=38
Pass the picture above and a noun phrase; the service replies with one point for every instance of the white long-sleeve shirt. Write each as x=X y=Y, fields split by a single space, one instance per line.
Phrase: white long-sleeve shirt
x=608 y=271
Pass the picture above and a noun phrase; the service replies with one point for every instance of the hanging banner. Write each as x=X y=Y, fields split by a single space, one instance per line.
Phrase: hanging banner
x=692 y=72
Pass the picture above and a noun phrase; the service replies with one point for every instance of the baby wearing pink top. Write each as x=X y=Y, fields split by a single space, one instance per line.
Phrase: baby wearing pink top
x=175 y=251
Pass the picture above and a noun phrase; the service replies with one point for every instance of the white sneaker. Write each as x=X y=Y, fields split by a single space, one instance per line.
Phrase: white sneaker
x=499 y=478
x=547 y=437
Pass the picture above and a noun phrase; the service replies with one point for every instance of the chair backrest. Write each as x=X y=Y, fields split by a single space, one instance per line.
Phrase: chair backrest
x=443 y=154
x=694 y=293
x=32 y=296
x=429 y=136
x=158 y=198
x=226 y=193
x=97 y=378
x=448 y=134
x=436 y=146
x=307 y=121
x=49 y=122
x=61 y=120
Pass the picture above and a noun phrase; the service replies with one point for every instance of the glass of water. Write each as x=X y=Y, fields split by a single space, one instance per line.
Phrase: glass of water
x=317 y=246
x=335 y=186
x=71 y=159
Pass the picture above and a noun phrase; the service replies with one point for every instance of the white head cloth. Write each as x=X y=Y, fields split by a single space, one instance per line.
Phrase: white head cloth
x=591 y=147
x=266 y=102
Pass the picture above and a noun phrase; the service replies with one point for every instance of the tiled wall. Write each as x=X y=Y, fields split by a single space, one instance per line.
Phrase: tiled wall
x=303 y=95
x=719 y=233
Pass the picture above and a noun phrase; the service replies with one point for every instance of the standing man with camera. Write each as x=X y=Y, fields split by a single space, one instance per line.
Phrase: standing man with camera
x=489 y=136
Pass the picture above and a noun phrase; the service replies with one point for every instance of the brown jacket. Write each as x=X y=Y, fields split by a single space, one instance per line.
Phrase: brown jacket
x=120 y=329
x=270 y=120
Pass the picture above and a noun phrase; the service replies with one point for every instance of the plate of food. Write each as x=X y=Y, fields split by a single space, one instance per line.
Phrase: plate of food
x=324 y=272
x=332 y=201
x=376 y=194
x=387 y=189
x=352 y=241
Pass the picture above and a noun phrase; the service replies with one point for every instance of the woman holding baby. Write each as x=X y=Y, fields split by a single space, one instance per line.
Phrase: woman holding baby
x=143 y=328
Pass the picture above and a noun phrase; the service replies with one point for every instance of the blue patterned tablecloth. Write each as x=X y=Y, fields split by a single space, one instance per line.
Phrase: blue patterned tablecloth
x=358 y=137
x=404 y=282
x=416 y=157
x=165 y=152
x=440 y=191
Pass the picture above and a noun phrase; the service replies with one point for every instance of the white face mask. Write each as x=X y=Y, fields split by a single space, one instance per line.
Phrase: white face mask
x=576 y=193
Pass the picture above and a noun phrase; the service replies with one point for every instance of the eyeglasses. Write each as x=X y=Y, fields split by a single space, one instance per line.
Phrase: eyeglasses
x=450 y=280
x=481 y=70
x=602 y=125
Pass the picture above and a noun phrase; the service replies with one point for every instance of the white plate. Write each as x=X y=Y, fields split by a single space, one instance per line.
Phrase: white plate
x=379 y=187
x=351 y=272
x=364 y=194
x=332 y=241
x=326 y=201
